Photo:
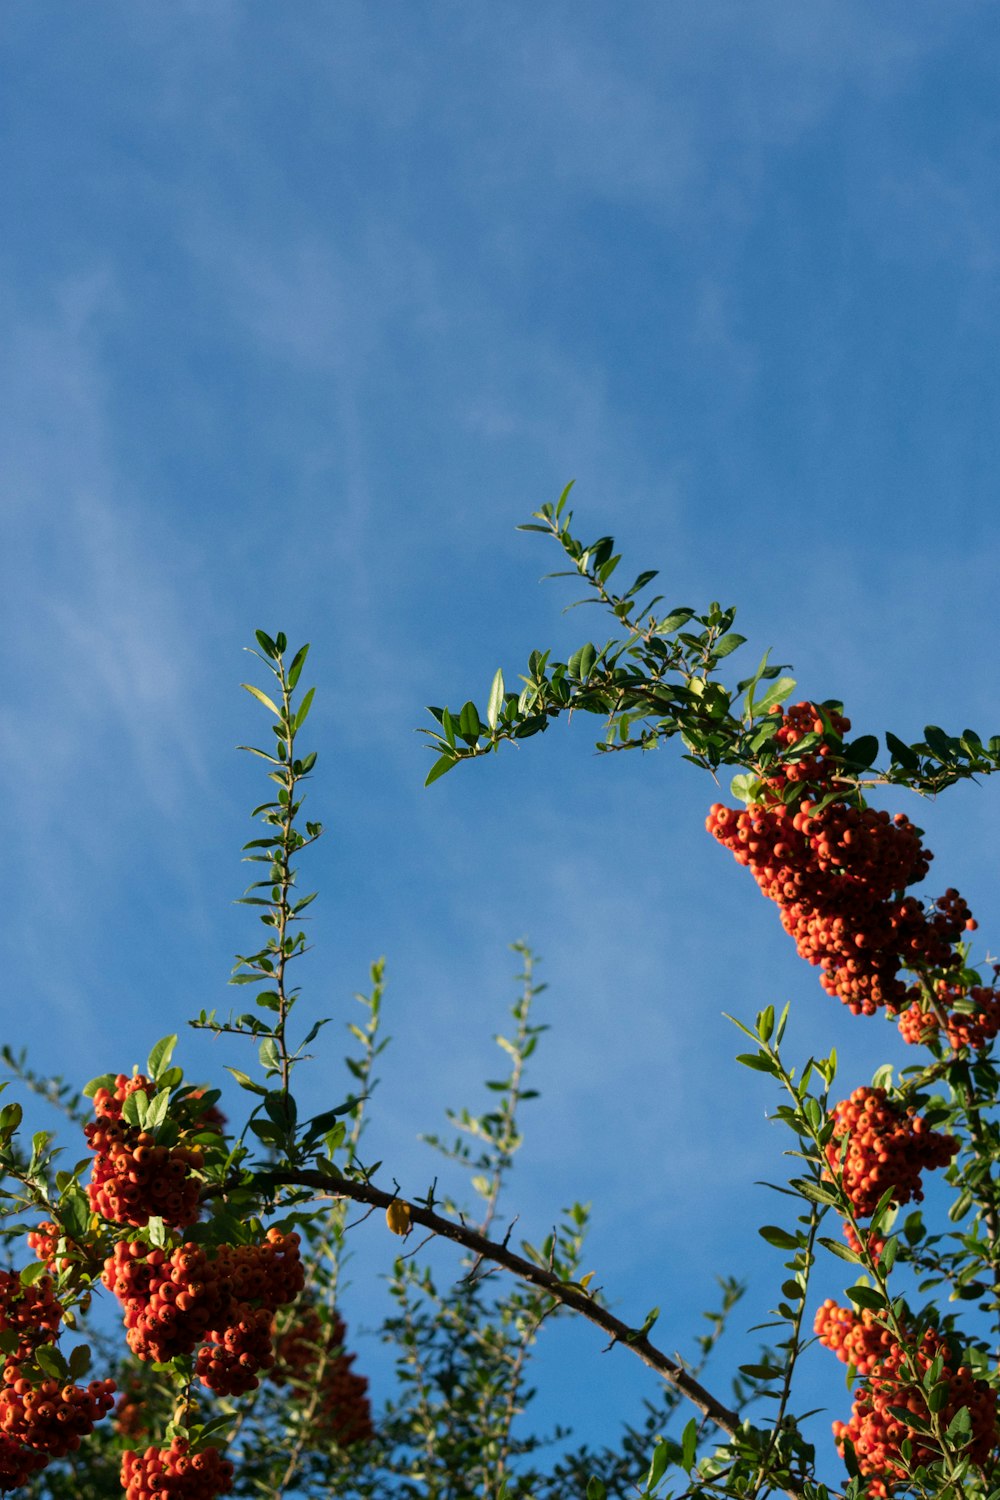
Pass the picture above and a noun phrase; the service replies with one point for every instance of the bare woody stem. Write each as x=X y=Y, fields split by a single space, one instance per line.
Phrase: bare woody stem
x=571 y=1296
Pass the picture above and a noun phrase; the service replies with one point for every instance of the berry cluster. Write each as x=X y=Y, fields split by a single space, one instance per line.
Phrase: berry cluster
x=40 y=1418
x=175 y=1300
x=44 y=1241
x=973 y=1025
x=882 y=1146
x=837 y=873
x=312 y=1356
x=796 y=723
x=31 y=1312
x=176 y=1472
x=877 y=1428
x=134 y=1179
x=50 y=1417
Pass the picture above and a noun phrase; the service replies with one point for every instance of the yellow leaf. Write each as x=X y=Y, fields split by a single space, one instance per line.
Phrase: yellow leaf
x=397 y=1216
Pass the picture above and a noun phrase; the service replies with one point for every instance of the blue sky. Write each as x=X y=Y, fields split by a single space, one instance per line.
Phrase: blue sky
x=304 y=308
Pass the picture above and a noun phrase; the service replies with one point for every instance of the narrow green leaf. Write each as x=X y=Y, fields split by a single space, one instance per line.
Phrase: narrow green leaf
x=261 y=698
x=303 y=710
x=298 y=662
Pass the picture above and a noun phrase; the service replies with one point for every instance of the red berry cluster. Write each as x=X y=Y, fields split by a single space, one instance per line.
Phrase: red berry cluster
x=312 y=1356
x=134 y=1179
x=886 y=1146
x=963 y=1028
x=837 y=872
x=875 y=1430
x=32 y=1312
x=177 y=1472
x=175 y=1300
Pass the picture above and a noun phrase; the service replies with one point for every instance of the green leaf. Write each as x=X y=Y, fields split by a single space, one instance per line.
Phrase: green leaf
x=245 y=1081
x=779 y=1238
x=261 y=698
x=861 y=753
x=270 y=1057
x=441 y=767
x=159 y=1057
x=157 y=1111
x=743 y=786
x=303 y=711
x=866 y=1296
x=266 y=644
x=727 y=644
x=907 y=758
x=469 y=726
x=658 y=1465
x=74 y=1211
x=51 y=1361
x=755 y=1060
x=775 y=694
x=79 y=1361
x=102 y=1081
x=134 y=1108
x=30 y=1274
x=940 y=743
x=836 y=1248
x=595 y=1488
x=689 y=1444
x=298 y=662
x=495 y=703
x=675 y=620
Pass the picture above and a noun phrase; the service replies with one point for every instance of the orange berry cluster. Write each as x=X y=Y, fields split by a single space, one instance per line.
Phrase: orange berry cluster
x=39 y=1418
x=313 y=1356
x=836 y=874
x=175 y=1300
x=796 y=723
x=176 y=1472
x=32 y=1312
x=50 y=1417
x=885 y=1147
x=44 y=1241
x=874 y=1430
x=963 y=1028
x=134 y=1179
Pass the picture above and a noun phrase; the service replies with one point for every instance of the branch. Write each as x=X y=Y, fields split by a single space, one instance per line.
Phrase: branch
x=332 y=1184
